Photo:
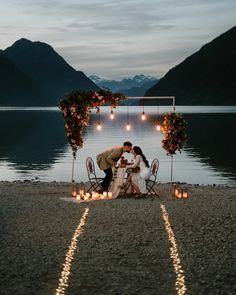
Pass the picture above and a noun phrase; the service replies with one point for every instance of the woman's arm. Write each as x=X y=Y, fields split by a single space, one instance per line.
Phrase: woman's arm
x=136 y=162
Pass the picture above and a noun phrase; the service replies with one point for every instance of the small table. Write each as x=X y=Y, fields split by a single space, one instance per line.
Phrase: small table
x=118 y=182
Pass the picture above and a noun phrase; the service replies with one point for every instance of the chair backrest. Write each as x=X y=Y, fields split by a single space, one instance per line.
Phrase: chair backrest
x=154 y=169
x=90 y=168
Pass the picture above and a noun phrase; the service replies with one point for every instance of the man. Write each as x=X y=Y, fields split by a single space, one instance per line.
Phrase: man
x=108 y=159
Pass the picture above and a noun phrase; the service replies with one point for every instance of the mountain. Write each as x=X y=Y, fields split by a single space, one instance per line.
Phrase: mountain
x=135 y=86
x=207 y=77
x=49 y=72
x=15 y=86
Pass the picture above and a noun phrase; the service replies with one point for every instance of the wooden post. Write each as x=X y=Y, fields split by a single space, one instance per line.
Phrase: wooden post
x=171 y=172
x=73 y=169
x=73 y=188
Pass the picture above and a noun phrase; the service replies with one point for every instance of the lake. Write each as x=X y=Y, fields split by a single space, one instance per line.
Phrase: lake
x=34 y=147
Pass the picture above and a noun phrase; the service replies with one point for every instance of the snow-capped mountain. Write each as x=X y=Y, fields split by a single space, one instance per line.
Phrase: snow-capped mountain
x=141 y=79
x=136 y=85
x=97 y=79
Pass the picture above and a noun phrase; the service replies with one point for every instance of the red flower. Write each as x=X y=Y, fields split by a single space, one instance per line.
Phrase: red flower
x=76 y=112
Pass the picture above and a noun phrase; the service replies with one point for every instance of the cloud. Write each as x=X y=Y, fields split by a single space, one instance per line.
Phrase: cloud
x=116 y=37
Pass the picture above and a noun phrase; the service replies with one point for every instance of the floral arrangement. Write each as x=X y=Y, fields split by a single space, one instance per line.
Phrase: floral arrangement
x=174 y=129
x=76 y=108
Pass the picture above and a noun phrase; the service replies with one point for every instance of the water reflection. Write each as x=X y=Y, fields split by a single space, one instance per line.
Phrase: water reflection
x=31 y=139
x=212 y=140
x=34 y=142
x=211 y=137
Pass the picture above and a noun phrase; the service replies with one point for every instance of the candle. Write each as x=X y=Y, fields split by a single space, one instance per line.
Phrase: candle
x=179 y=195
x=176 y=192
x=185 y=194
x=105 y=195
x=74 y=194
x=87 y=196
x=110 y=195
x=78 y=197
x=81 y=192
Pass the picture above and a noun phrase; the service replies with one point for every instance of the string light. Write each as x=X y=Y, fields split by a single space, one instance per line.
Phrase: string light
x=180 y=284
x=158 y=126
x=128 y=127
x=112 y=114
x=143 y=117
x=99 y=126
x=66 y=269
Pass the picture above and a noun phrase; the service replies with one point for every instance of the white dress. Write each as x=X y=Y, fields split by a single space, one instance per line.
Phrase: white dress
x=140 y=178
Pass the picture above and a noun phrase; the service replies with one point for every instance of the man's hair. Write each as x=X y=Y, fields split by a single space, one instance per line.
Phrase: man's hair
x=127 y=143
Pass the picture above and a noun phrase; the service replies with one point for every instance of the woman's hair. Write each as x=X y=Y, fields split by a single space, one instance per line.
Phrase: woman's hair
x=138 y=151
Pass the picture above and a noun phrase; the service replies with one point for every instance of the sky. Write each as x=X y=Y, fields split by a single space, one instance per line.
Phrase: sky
x=115 y=39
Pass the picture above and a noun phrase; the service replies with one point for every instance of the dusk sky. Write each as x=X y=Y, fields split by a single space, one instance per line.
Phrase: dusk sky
x=118 y=38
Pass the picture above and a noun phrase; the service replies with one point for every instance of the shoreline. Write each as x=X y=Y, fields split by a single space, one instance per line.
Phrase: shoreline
x=86 y=182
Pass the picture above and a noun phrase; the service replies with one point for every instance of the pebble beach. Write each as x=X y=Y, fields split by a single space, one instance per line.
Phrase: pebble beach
x=124 y=246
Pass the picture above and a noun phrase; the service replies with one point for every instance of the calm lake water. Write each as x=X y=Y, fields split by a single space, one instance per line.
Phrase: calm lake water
x=33 y=143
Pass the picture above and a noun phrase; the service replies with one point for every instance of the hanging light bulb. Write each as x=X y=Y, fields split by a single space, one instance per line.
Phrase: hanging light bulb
x=158 y=126
x=112 y=115
x=128 y=126
x=127 y=119
x=143 y=117
x=99 y=126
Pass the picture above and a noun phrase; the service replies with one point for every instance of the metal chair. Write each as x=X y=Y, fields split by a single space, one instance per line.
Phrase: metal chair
x=94 y=181
x=150 y=183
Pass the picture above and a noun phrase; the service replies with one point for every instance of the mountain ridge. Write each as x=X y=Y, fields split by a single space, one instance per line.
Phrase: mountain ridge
x=206 y=77
x=34 y=74
x=10 y=75
x=48 y=71
x=131 y=86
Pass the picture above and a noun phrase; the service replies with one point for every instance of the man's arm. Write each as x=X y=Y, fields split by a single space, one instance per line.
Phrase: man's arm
x=114 y=156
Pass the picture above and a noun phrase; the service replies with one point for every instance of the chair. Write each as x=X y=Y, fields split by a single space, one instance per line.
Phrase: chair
x=150 y=183
x=94 y=181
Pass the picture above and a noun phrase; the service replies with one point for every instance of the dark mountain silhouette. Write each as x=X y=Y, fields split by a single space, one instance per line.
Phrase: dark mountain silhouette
x=48 y=70
x=206 y=77
x=15 y=86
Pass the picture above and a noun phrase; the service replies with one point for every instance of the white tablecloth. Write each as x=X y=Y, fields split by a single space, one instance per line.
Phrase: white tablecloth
x=118 y=182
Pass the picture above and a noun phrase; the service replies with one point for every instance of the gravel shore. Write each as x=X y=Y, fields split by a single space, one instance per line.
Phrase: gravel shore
x=124 y=247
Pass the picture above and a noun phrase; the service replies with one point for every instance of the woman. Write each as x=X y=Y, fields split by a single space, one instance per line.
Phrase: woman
x=138 y=179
